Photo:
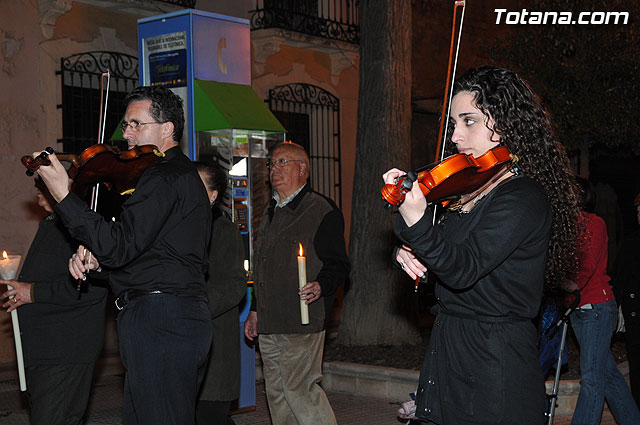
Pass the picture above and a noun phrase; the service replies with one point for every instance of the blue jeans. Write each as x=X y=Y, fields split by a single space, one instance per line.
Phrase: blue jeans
x=600 y=378
x=164 y=345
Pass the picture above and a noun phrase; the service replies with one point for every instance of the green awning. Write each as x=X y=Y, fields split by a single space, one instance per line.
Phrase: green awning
x=227 y=106
x=231 y=106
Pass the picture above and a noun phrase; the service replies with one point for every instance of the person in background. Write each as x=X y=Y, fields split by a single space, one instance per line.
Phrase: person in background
x=594 y=323
x=62 y=330
x=292 y=352
x=626 y=286
x=226 y=287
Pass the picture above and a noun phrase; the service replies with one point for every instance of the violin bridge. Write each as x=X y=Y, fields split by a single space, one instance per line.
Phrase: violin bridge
x=128 y=192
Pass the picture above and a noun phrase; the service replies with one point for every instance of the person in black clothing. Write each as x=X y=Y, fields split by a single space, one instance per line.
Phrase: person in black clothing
x=226 y=283
x=62 y=335
x=626 y=288
x=156 y=258
x=491 y=252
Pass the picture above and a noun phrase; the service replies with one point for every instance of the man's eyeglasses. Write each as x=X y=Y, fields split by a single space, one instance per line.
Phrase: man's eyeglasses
x=280 y=162
x=135 y=125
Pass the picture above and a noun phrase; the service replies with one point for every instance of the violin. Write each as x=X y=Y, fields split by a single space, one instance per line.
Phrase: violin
x=457 y=175
x=102 y=165
x=118 y=171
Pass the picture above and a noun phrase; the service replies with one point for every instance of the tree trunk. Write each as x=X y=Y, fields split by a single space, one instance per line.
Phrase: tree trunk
x=379 y=305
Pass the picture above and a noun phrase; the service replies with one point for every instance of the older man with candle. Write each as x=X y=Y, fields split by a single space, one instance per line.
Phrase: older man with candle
x=292 y=351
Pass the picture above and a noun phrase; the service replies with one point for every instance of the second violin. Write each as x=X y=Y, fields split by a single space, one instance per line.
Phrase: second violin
x=100 y=163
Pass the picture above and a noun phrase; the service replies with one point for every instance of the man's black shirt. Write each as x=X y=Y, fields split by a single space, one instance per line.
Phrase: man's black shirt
x=161 y=239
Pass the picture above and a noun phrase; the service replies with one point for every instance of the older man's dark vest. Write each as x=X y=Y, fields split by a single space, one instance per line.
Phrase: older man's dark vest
x=276 y=267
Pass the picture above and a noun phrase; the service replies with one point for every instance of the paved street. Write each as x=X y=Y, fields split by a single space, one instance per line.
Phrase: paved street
x=106 y=401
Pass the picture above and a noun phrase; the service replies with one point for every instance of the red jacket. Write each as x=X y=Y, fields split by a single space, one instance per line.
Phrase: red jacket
x=592 y=278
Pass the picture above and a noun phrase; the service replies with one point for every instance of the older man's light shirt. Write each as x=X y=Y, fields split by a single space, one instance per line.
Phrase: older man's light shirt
x=288 y=199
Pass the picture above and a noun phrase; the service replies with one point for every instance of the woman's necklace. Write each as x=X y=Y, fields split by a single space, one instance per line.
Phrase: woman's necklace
x=467 y=202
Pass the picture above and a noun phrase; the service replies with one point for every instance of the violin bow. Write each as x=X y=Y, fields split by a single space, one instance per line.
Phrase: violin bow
x=102 y=121
x=448 y=89
x=448 y=94
x=451 y=72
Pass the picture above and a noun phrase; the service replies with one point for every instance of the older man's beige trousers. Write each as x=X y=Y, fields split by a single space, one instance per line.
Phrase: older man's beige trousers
x=292 y=368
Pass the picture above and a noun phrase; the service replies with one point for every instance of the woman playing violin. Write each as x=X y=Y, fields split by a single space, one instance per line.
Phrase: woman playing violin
x=492 y=257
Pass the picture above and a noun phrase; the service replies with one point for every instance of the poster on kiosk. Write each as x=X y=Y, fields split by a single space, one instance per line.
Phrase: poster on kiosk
x=205 y=59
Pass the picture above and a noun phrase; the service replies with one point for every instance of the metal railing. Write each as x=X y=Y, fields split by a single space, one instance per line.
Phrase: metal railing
x=187 y=4
x=332 y=19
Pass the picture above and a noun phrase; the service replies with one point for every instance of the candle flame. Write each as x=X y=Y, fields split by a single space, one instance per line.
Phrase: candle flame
x=4 y=255
x=301 y=251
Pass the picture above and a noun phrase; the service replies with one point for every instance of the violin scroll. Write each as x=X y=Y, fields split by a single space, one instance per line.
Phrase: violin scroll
x=394 y=194
x=33 y=164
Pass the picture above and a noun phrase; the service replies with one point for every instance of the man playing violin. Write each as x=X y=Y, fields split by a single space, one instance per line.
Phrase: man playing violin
x=492 y=257
x=155 y=257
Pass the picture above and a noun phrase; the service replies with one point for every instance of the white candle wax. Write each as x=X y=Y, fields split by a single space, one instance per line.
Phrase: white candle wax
x=302 y=281
x=9 y=266
x=8 y=271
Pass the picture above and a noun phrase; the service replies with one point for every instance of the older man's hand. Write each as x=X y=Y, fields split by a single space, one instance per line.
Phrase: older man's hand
x=310 y=292
x=251 y=326
x=55 y=177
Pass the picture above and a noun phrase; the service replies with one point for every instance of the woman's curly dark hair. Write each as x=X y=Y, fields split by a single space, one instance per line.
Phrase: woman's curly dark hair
x=526 y=130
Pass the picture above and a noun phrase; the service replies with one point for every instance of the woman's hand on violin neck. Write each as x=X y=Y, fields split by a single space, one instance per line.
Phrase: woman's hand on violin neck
x=414 y=205
x=55 y=177
x=391 y=176
x=409 y=263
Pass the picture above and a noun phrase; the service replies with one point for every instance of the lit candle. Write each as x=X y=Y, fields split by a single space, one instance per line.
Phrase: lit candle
x=8 y=271
x=302 y=281
x=9 y=266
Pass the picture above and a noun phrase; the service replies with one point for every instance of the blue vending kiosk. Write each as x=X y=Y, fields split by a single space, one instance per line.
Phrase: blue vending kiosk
x=176 y=48
x=205 y=59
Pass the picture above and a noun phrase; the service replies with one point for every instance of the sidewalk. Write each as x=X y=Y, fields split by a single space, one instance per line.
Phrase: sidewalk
x=105 y=402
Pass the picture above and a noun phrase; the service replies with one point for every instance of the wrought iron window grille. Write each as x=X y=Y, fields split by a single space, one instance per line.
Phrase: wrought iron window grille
x=187 y=4
x=336 y=20
x=80 y=84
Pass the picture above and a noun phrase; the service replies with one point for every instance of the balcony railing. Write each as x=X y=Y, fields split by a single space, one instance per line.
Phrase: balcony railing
x=333 y=19
x=187 y=4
